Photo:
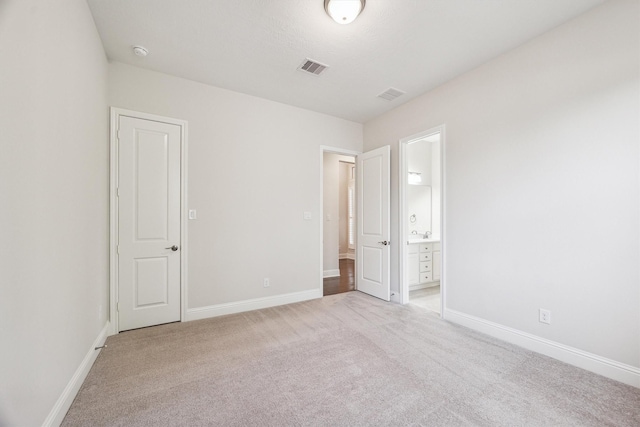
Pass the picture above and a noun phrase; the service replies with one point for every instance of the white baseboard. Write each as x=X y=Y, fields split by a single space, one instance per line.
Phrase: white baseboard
x=69 y=393
x=251 y=304
x=591 y=362
x=331 y=273
x=424 y=285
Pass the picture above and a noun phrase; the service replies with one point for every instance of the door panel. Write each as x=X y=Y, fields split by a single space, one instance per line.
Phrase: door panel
x=151 y=282
x=150 y=175
x=372 y=196
x=371 y=264
x=373 y=188
x=148 y=223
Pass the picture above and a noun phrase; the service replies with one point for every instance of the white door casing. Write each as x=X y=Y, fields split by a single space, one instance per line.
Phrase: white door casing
x=149 y=186
x=373 y=243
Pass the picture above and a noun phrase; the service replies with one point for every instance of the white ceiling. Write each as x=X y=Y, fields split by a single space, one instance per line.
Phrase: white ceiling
x=256 y=46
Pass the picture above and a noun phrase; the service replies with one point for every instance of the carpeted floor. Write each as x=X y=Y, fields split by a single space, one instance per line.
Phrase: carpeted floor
x=343 y=360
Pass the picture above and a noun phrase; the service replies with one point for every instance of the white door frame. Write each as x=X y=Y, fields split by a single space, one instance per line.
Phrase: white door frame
x=403 y=224
x=116 y=113
x=344 y=152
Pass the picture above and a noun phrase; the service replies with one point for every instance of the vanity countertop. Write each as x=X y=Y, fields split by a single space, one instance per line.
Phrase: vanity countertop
x=418 y=240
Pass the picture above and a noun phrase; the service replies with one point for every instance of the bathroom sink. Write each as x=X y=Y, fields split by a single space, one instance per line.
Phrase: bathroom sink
x=419 y=238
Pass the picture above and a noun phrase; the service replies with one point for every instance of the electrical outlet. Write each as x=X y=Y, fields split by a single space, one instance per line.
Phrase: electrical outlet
x=545 y=316
x=265 y=283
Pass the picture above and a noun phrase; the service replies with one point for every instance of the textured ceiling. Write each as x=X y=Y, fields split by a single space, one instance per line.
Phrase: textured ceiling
x=255 y=46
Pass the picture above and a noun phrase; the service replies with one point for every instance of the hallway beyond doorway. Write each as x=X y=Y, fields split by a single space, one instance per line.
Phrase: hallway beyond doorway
x=343 y=283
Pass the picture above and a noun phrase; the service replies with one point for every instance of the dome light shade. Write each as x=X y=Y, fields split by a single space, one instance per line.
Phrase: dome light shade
x=140 y=51
x=344 y=11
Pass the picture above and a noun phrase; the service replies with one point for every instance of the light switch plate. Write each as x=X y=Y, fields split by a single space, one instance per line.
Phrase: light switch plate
x=192 y=214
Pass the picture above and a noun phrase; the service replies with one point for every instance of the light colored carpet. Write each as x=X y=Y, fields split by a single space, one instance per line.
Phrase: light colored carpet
x=343 y=360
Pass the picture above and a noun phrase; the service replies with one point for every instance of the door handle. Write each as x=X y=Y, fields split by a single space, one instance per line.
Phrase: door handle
x=385 y=242
x=173 y=248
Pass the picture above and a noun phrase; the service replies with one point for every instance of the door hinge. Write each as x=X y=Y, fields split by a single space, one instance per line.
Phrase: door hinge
x=118 y=307
x=118 y=192
x=118 y=249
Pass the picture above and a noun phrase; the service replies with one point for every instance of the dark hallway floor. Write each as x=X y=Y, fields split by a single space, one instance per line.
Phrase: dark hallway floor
x=345 y=283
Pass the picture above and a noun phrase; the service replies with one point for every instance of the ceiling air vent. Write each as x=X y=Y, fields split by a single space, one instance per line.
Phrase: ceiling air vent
x=391 y=94
x=313 y=67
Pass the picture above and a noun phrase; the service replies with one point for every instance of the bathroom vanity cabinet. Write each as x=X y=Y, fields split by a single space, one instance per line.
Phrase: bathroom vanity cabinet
x=424 y=264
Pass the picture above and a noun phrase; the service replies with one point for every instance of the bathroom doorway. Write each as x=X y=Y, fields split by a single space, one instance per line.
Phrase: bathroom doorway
x=338 y=222
x=421 y=228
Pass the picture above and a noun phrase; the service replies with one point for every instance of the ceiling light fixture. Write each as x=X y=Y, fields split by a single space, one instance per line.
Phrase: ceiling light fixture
x=344 y=11
x=140 y=51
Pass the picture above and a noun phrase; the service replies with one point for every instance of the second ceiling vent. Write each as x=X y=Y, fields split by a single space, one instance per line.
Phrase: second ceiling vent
x=391 y=94
x=312 y=67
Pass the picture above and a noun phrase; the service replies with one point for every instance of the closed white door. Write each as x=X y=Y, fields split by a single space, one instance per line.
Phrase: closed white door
x=373 y=188
x=148 y=223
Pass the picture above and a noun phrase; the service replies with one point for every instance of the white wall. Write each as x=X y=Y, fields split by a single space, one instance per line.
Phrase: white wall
x=436 y=190
x=419 y=207
x=54 y=208
x=254 y=168
x=419 y=160
x=419 y=196
x=542 y=183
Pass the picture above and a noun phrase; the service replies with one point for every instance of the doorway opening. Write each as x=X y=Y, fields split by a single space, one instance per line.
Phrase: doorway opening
x=421 y=219
x=371 y=221
x=338 y=223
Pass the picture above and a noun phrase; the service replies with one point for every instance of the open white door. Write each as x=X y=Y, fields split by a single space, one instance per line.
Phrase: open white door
x=373 y=188
x=148 y=223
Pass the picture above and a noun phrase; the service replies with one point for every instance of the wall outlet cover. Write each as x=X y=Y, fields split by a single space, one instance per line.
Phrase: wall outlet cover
x=545 y=316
